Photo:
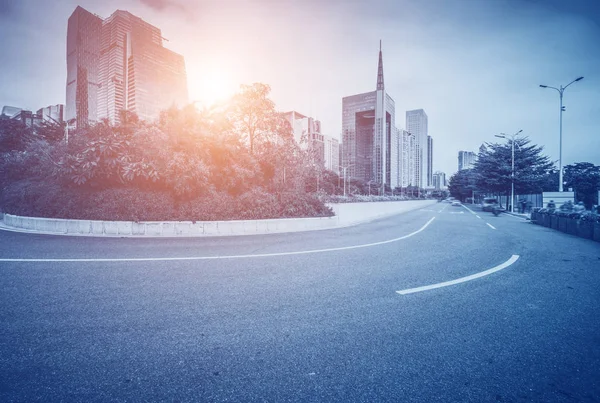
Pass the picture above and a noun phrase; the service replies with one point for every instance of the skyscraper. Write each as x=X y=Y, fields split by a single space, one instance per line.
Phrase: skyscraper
x=416 y=124
x=429 y=161
x=466 y=159
x=439 y=180
x=136 y=72
x=119 y=64
x=368 y=124
x=408 y=159
x=83 y=52
x=332 y=153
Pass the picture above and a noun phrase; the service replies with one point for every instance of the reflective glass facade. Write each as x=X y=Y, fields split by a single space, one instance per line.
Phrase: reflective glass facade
x=137 y=73
x=83 y=50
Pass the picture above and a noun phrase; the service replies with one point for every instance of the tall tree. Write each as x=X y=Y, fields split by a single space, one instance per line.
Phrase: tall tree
x=494 y=167
x=253 y=113
x=584 y=178
x=462 y=184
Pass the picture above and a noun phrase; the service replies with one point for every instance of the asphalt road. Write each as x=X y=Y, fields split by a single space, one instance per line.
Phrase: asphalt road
x=249 y=319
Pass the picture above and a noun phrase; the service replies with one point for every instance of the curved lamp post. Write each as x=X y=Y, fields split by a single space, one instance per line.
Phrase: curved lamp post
x=561 y=90
x=512 y=175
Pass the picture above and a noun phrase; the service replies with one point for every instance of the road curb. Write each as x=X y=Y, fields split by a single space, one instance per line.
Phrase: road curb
x=347 y=214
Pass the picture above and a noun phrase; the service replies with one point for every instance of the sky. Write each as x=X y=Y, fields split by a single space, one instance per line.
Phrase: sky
x=474 y=66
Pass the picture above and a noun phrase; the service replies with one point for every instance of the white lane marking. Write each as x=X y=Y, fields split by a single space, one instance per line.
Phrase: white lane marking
x=477 y=216
x=154 y=259
x=471 y=211
x=462 y=279
x=490 y=225
x=443 y=208
x=457 y=212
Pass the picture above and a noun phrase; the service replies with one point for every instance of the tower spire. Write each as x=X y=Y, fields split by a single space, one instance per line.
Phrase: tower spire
x=380 y=70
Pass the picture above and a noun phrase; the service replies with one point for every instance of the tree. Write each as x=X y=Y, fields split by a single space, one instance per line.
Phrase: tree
x=584 y=178
x=494 y=172
x=462 y=184
x=253 y=113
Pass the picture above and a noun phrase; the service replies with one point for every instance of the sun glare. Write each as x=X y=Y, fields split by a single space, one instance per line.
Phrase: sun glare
x=211 y=87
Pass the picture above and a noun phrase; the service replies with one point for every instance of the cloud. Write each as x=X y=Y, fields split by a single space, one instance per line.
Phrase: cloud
x=161 y=5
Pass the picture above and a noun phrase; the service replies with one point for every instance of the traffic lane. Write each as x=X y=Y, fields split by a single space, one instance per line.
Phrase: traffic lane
x=436 y=254
x=473 y=345
x=20 y=245
x=103 y=302
x=309 y=309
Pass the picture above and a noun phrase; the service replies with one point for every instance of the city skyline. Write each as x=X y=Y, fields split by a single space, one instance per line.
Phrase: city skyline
x=469 y=92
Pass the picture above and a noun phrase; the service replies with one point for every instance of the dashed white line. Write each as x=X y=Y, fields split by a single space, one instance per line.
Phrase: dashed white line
x=477 y=216
x=490 y=225
x=155 y=259
x=462 y=279
x=470 y=211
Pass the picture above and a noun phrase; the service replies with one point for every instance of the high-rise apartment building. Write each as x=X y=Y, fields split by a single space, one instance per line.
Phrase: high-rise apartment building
x=119 y=64
x=307 y=134
x=368 y=125
x=416 y=124
x=429 y=162
x=332 y=153
x=408 y=159
x=83 y=53
x=136 y=72
x=439 y=180
x=466 y=160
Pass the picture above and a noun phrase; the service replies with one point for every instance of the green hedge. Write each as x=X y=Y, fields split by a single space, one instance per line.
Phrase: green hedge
x=48 y=199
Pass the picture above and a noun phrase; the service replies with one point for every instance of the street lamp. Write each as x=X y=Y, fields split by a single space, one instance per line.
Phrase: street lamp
x=561 y=90
x=345 y=168
x=512 y=175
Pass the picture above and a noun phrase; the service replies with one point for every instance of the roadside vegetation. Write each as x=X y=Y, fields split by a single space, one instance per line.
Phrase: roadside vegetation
x=235 y=160
x=534 y=174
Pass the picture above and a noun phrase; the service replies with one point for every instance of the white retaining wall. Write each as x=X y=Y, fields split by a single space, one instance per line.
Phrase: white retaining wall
x=345 y=214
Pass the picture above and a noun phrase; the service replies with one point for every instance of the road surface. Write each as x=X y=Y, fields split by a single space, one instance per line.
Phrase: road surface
x=339 y=315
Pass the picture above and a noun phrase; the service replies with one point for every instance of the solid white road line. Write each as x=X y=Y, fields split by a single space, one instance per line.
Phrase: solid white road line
x=462 y=279
x=154 y=259
x=490 y=225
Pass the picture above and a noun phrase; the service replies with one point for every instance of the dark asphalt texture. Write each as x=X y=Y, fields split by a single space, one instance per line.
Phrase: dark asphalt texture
x=318 y=327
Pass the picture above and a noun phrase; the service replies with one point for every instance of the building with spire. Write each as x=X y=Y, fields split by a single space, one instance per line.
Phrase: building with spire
x=370 y=143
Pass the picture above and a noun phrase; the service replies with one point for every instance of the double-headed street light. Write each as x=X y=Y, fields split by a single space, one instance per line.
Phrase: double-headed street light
x=512 y=175
x=562 y=109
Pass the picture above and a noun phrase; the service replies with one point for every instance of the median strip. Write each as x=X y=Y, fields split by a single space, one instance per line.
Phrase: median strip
x=154 y=259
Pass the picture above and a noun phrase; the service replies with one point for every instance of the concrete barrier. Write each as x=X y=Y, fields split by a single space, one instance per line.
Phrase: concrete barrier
x=346 y=214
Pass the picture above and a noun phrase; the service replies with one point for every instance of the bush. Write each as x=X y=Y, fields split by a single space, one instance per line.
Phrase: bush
x=53 y=200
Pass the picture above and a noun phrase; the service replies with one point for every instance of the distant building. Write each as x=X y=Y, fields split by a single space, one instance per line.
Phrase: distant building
x=332 y=153
x=52 y=113
x=466 y=160
x=10 y=111
x=307 y=134
x=439 y=180
x=83 y=55
x=429 y=162
x=408 y=155
x=119 y=64
x=368 y=126
x=416 y=124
